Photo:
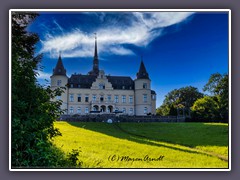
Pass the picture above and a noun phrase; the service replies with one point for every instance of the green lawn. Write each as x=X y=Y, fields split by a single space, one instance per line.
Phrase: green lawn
x=124 y=145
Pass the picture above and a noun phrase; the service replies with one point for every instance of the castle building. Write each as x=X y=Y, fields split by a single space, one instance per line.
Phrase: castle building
x=97 y=92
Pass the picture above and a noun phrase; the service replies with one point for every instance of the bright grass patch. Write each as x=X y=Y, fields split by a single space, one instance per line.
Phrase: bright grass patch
x=172 y=145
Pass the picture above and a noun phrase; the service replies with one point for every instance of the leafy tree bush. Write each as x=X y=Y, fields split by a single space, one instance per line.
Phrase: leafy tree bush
x=218 y=87
x=33 y=113
x=179 y=98
x=205 y=109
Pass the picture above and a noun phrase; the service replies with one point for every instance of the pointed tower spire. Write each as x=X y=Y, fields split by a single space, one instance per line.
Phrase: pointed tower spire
x=142 y=73
x=95 y=69
x=59 y=69
x=95 y=52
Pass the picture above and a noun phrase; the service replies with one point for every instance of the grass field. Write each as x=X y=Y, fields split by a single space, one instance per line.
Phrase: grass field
x=146 y=145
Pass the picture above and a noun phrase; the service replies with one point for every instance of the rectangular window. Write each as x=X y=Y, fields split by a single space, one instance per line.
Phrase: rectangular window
x=144 y=85
x=116 y=99
x=124 y=110
x=79 y=97
x=130 y=99
x=71 y=98
x=71 y=110
x=102 y=98
x=59 y=82
x=123 y=99
x=86 y=110
x=79 y=110
x=86 y=98
x=94 y=98
x=153 y=97
x=131 y=111
x=145 y=110
x=109 y=98
x=145 y=98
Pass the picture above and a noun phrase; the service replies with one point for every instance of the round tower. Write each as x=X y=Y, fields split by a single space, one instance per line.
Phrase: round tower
x=60 y=79
x=143 y=103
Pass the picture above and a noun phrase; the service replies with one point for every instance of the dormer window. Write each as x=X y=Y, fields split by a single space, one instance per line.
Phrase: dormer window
x=123 y=87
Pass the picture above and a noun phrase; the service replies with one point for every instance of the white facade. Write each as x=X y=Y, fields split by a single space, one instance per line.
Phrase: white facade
x=97 y=92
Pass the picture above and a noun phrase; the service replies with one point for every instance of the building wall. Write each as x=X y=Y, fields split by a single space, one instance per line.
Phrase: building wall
x=99 y=93
x=138 y=105
x=55 y=84
x=143 y=105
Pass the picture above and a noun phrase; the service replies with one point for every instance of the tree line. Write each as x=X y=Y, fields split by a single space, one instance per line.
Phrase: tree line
x=196 y=106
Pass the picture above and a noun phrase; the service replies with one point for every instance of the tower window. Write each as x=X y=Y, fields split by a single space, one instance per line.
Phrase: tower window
x=153 y=97
x=71 y=97
x=59 y=70
x=145 y=98
x=144 y=85
x=59 y=82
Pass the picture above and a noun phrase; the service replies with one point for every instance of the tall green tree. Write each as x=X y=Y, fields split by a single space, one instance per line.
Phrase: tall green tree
x=179 y=98
x=33 y=113
x=217 y=86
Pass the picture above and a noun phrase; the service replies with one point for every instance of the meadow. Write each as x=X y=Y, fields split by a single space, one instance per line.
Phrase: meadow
x=146 y=145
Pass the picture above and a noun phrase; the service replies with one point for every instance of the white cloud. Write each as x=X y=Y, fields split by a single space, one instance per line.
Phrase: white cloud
x=142 y=29
x=43 y=75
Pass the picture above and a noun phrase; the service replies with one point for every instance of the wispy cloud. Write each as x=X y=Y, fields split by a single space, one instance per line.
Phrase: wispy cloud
x=43 y=75
x=139 y=30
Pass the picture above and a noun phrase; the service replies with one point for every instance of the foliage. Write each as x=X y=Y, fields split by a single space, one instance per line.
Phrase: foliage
x=182 y=98
x=184 y=145
x=218 y=87
x=33 y=113
x=206 y=109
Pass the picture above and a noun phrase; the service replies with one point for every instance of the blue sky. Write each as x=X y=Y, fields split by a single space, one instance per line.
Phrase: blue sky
x=178 y=48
